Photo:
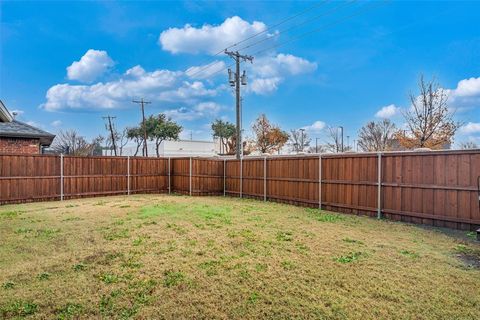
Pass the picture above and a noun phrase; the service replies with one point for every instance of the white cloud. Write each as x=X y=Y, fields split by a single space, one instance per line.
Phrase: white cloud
x=210 y=107
x=466 y=94
x=158 y=85
x=56 y=123
x=468 y=87
x=187 y=92
x=208 y=38
x=190 y=88
x=201 y=110
x=470 y=128
x=92 y=65
x=387 y=111
x=316 y=127
x=264 y=86
x=269 y=71
x=282 y=65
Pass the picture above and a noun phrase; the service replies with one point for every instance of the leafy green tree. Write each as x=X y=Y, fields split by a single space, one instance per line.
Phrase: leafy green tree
x=225 y=131
x=161 y=128
x=136 y=134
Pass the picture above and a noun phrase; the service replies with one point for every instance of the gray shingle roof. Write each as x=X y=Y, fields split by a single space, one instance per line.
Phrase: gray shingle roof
x=17 y=129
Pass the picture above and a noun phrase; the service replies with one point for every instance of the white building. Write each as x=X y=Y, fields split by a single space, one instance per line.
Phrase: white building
x=174 y=148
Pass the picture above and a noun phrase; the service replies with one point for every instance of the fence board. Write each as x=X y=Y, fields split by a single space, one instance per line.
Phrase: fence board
x=435 y=188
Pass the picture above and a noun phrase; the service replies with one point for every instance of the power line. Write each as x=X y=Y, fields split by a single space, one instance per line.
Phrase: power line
x=237 y=83
x=216 y=72
x=205 y=67
x=279 y=23
x=142 y=103
x=300 y=24
x=322 y=28
x=326 y=26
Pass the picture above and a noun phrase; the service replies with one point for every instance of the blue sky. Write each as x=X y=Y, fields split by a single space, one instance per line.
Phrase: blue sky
x=64 y=65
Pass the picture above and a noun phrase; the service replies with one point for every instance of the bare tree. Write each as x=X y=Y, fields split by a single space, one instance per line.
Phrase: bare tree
x=122 y=139
x=70 y=142
x=113 y=134
x=299 y=140
x=429 y=120
x=316 y=149
x=334 y=140
x=469 y=145
x=377 y=136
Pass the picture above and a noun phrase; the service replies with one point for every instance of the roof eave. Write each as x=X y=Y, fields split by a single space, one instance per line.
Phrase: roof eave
x=44 y=140
x=5 y=115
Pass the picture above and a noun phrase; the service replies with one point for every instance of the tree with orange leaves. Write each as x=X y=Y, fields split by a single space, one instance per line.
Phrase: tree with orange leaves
x=429 y=121
x=268 y=138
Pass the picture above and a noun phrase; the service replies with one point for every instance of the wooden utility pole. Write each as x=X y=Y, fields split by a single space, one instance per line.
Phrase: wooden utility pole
x=236 y=82
x=110 y=127
x=142 y=103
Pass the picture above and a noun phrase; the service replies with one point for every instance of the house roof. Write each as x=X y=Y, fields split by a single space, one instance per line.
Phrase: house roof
x=5 y=116
x=11 y=128
x=17 y=129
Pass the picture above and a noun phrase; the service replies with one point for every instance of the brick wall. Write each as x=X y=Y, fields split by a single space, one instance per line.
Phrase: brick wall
x=19 y=145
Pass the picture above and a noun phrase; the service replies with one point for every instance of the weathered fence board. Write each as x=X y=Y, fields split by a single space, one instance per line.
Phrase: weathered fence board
x=435 y=188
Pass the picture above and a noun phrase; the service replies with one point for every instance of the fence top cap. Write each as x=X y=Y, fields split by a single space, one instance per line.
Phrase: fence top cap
x=422 y=149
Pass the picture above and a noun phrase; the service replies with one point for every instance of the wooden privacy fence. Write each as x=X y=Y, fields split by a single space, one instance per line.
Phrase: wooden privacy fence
x=436 y=188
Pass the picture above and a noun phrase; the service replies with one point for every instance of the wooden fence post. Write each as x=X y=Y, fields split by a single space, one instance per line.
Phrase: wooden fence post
x=264 y=178
x=190 y=183
x=379 y=186
x=224 y=174
x=169 y=177
x=241 y=177
x=128 y=175
x=61 y=177
x=320 y=182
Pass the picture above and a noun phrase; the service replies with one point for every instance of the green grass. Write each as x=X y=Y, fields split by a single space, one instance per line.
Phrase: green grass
x=350 y=257
x=160 y=256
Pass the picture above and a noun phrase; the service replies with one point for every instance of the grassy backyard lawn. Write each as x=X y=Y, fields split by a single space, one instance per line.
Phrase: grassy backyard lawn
x=159 y=256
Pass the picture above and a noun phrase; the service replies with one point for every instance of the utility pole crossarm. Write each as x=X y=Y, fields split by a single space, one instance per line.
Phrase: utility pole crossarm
x=237 y=56
x=142 y=103
x=110 y=127
x=237 y=82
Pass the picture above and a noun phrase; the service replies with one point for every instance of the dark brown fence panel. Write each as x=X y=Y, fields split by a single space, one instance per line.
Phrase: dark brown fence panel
x=232 y=177
x=253 y=178
x=148 y=175
x=29 y=178
x=94 y=176
x=207 y=176
x=180 y=175
x=437 y=189
x=293 y=180
x=349 y=184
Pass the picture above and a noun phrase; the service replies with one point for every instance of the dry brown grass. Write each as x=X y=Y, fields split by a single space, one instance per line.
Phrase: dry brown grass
x=158 y=256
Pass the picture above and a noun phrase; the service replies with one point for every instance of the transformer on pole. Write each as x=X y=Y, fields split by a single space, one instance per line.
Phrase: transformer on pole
x=236 y=80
